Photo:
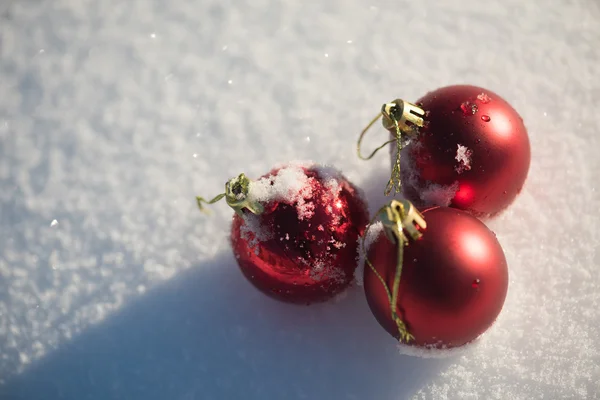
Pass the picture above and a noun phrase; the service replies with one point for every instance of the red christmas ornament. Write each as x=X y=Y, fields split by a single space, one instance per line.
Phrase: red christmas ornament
x=461 y=146
x=450 y=273
x=295 y=232
x=473 y=141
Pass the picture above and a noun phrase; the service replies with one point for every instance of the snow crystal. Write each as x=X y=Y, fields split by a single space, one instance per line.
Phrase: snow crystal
x=369 y=238
x=438 y=352
x=253 y=231
x=463 y=156
x=432 y=194
x=484 y=98
x=330 y=177
x=439 y=195
x=290 y=185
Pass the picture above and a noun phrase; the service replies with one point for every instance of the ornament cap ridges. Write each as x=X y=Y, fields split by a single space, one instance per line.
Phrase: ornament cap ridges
x=406 y=115
x=236 y=196
x=402 y=220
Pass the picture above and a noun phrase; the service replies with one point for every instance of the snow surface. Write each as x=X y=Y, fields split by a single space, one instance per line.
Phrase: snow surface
x=114 y=115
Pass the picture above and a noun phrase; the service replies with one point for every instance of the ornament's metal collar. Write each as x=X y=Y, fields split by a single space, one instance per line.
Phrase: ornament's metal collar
x=236 y=195
x=402 y=221
x=403 y=115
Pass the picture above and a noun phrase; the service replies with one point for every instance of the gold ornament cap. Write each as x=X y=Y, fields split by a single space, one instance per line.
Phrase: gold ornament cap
x=402 y=221
x=403 y=115
x=237 y=196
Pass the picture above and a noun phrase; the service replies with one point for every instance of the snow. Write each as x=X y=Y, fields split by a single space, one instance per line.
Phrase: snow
x=114 y=115
x=438 y=195
x=290 y=184
x=435 y=351
x=371 y=235
x=484 y=98
x=463 y=156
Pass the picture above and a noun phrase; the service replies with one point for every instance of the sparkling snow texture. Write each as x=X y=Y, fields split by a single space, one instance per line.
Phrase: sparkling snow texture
x=115 y=114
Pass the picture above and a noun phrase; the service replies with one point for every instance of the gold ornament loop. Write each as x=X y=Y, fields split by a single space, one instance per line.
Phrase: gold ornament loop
x=402 y=222
x=362 y=135
x=236 y=196
x=399 y=117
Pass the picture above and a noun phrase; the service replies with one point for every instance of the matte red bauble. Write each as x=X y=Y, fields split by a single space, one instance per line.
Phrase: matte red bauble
x=453 y=282
x=295 y=232
x=471 y=153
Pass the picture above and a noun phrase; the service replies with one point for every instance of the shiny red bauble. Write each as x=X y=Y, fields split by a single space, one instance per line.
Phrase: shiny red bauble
x=453 y=284
x=472 y=153
x=302 y=248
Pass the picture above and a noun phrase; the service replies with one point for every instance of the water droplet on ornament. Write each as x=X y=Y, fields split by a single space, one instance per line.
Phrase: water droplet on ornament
x=484 y=98
x=478 y=141
x=485 y=118
x=468 y=108
x=475 y=284
x=505 y=192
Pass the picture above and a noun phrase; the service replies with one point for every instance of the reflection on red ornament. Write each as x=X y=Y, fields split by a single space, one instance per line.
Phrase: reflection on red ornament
x=464 y=196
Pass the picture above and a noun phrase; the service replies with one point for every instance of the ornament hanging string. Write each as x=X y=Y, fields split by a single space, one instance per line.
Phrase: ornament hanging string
x=399 y=117
x=202 y=200
x=236 y=195
x=397 y=217
x=362 y=135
